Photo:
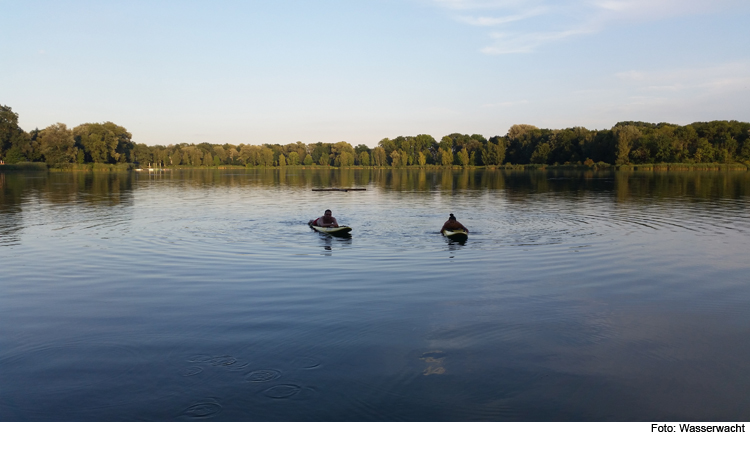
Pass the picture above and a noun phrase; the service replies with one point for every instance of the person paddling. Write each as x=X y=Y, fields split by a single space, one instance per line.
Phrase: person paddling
x=453 y=224
x=326 y=220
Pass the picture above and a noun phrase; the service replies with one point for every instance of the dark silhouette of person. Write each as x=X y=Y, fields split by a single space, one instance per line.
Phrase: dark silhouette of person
x=326 y=220
x=453 y=224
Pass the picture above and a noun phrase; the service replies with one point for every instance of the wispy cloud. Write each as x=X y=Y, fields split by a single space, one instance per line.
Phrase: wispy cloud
x=659 y=9
x=527 y=42
x=718 y=79
x=492 y=21
x=479 y=4
x=522 y=26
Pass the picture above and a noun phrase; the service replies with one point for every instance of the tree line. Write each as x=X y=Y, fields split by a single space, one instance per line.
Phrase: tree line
x=719 y=141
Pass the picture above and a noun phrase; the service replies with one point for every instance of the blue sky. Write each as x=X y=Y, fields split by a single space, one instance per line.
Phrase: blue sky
x=285 y=71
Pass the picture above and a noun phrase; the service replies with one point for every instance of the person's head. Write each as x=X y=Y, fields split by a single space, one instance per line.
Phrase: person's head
x=327 y=213
x=452 y=217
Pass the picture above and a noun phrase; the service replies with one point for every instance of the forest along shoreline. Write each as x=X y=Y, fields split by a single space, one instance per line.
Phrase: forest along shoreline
x=42 y=167
x=715 y=145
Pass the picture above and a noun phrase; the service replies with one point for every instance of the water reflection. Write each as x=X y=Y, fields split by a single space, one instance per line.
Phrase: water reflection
x=10 y=217
x=520 y=184
x=329 y=242
x=22 y=195
x=626 y=185
x=203 y=295
x=455 y=242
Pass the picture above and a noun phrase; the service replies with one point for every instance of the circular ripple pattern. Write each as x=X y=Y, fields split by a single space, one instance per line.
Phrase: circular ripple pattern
x=556 y=273
x=306 y=362
x=190 y=371
x=282 y=391
x=203 y=410
x=222 y=361
x=263 y=375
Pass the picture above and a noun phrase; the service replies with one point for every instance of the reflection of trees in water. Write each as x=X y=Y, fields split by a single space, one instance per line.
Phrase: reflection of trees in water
x=446 y=180
x=107 y=188
x=264 y=177
x=112 y=188
x=116 y=188
x=517 y=185
x=10 y=209
x=697 y=185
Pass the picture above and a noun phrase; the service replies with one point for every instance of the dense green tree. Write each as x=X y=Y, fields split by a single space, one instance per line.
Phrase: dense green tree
x=342 y=154
x=387 y=145
x=493 y=153
x=445 y=151
x=358 y=150
x=103 y=142
x=219 y=153
x=379 y=156
x=446 y=157
x=21 y=148
x=142 y=154
x=266 y=157
x=519 y=130
x=425 y=144
x=364 y=158
x=523 y=140
x=626 y=142
x=463 y=157
x=15 y=144
x=58 y=144
x=626 y=136
x=8 y=128
x=321 y=152
x=396 y=158
x=704 y=151
x=344 y=159
x=175 y=157
x=541 y=154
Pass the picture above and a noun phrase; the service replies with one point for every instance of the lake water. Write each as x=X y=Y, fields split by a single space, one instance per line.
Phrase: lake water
x=204 y=295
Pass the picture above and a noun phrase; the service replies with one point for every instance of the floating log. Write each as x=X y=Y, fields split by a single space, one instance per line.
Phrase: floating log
x=338 y=189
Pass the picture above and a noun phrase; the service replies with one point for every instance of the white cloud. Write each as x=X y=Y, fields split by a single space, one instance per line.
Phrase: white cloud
x=492 y=21
x=527 y=42
x=720 y=79
x=676 y=95
x=521 y=26
x=480 y=4
x=659 y=9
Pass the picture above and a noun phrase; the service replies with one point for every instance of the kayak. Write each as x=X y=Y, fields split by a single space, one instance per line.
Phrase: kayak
x=337 y=231
x=456 y=234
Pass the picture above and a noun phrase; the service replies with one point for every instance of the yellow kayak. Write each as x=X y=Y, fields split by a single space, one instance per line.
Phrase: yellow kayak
x=456 y=234
x=332 y=230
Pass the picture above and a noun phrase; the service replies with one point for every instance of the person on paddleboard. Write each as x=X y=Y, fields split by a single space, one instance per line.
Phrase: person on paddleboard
x=326 y=220
x=453 y=224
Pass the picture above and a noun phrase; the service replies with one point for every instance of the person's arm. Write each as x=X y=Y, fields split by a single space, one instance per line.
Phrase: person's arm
x=335 y=224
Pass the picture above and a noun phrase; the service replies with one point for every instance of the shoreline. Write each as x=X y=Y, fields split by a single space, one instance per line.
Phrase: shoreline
x=126 y=167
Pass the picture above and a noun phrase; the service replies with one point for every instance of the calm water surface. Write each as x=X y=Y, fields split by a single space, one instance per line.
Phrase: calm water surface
x=203 y=295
